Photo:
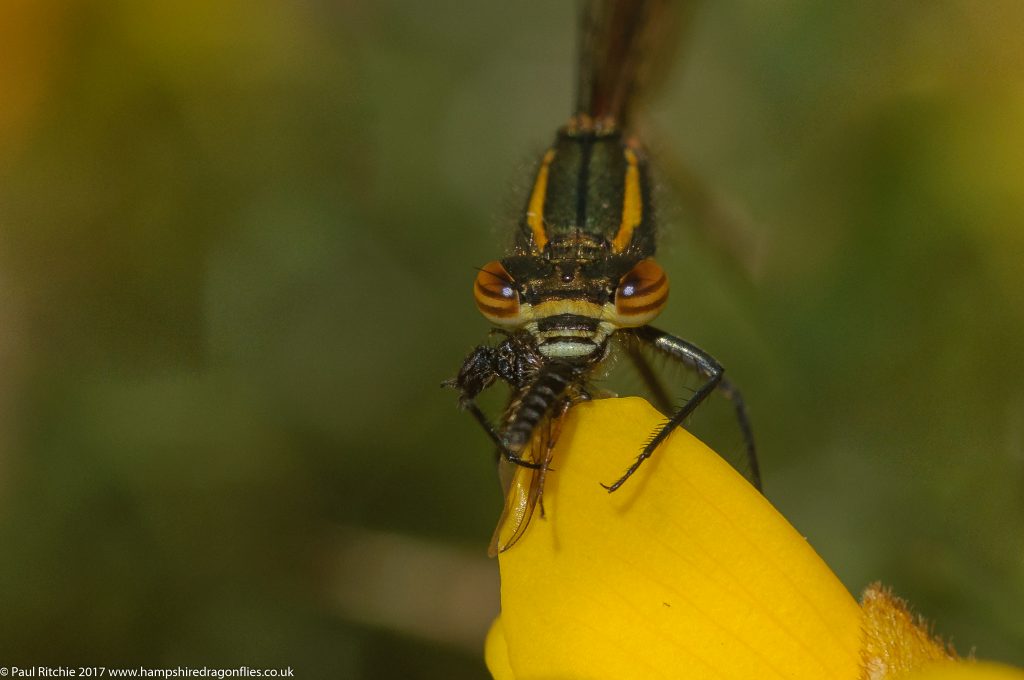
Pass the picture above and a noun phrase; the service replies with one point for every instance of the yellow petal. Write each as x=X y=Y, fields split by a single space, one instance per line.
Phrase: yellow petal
x=967 y=671
x=686 y=571
x=496 y=653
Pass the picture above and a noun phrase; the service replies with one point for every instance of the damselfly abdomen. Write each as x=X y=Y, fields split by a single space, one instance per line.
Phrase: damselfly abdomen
x=581 y=279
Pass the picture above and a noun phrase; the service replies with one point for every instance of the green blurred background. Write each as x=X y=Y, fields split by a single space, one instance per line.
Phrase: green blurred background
x=236 y=247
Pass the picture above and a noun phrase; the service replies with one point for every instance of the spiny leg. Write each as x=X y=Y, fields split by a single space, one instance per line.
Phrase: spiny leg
x=503 y=450
x=730 y=392
x=643 y=366
x=684 y=351
x=725 y=387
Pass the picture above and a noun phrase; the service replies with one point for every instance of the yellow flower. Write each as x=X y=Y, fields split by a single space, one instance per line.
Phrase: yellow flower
x=685 y=572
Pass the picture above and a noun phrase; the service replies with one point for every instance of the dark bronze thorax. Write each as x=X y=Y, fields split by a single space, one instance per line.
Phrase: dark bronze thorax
x=591 y=193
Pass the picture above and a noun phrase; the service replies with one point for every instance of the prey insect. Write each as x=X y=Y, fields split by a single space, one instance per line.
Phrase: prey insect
x=581 y=280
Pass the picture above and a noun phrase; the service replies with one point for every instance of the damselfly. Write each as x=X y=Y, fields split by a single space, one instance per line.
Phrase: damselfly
x=581 y=280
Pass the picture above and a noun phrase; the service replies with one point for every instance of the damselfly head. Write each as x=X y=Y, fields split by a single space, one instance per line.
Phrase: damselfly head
x=571 y=304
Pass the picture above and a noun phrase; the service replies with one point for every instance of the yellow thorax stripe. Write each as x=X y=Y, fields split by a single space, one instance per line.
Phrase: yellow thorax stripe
x=632 y=206
x=535 y=210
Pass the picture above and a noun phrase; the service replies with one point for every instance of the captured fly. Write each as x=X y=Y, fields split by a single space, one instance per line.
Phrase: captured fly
x=581 y=277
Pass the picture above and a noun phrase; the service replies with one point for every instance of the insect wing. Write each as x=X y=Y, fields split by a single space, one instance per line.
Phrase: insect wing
x=523 y=488
x=520 y=501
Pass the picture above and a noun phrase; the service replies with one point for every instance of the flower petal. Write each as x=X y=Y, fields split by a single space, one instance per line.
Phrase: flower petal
x=967 y=671
x=496 y=653
x=686 y=571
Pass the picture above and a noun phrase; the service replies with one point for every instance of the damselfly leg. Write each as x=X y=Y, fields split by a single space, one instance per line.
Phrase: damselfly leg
x=663 y=402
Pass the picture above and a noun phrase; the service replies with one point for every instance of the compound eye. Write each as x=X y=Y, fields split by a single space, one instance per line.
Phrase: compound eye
x=496 y=295
x=641 y=294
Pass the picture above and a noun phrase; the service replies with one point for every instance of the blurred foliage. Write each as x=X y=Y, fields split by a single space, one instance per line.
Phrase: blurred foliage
x=236 y=242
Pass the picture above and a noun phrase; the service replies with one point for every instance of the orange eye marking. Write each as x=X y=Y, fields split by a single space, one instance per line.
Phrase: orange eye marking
x=495 y=293
x=642 y=292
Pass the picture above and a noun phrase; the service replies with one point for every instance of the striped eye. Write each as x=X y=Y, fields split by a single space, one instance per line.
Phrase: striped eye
x=641 y=294
x=495 y=294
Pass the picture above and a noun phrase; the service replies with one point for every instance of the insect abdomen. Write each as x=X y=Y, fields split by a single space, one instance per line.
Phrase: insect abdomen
x=536 y=404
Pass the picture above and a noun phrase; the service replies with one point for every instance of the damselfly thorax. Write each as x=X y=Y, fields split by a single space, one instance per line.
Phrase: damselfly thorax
x=581 y=275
